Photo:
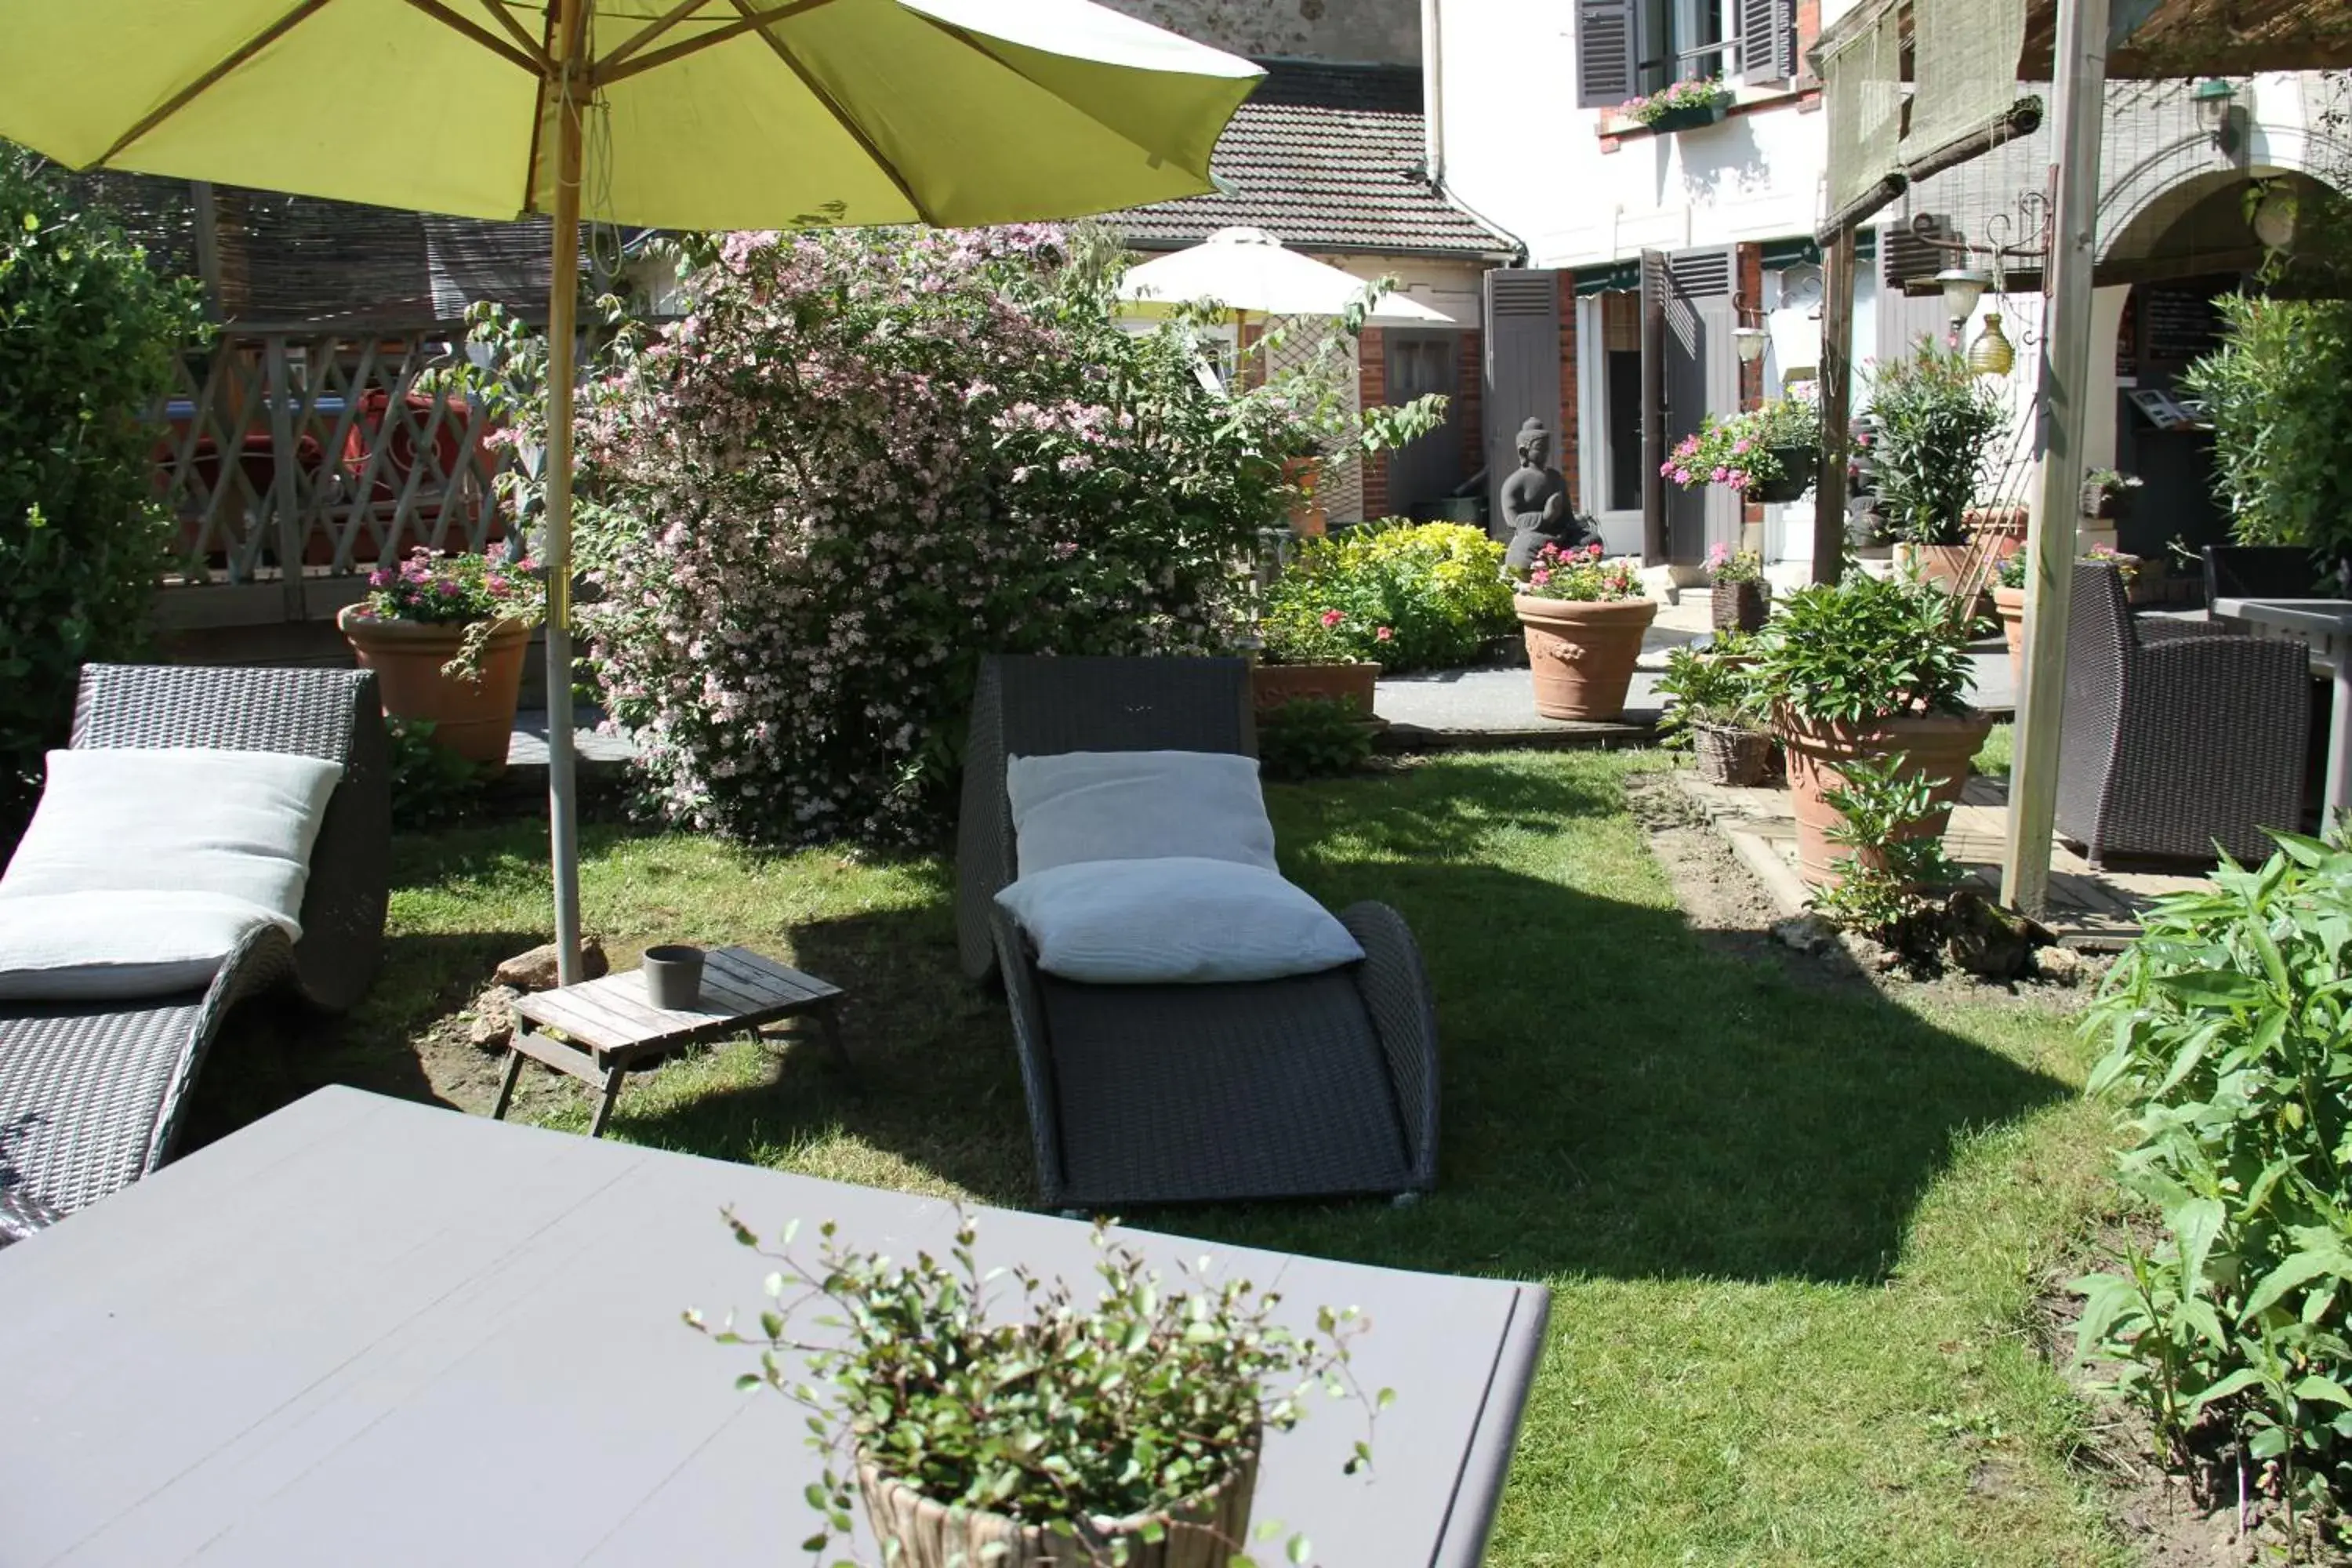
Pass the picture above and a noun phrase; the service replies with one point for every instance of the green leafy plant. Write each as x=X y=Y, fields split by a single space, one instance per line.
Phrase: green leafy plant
x=1891 y=877
x=1934 y=425
x=477 y=592
x=88 y=337
x=1406 y=595
x=1065 y=1415
x=432 y=786
x=1863 y=649
x=2111 y=482
x=2279 y=392
x=1745 y=450
x=1716 y=685
x=2229 y=1032
x=1312 y=738
x=1579 y=572
x=2012 y=571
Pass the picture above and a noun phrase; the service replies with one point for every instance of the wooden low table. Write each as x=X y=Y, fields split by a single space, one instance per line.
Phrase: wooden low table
x=606 y=1029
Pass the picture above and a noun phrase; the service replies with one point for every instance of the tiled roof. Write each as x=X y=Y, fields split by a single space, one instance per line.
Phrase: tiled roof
x=1327 y=158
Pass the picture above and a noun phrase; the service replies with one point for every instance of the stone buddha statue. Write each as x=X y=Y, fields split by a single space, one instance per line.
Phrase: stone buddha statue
x=1535 y=503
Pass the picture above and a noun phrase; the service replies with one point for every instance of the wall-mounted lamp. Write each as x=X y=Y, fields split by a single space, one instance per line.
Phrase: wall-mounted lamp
x=1962 y=286
x=2216 y=104
x=1990 y=354
x=1750 y=341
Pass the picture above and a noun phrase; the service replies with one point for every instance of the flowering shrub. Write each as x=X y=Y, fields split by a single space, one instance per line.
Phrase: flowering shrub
x=1408 y=597
x=862 y=459
x=1581 y=574
x=1743 y=451
x=1726 y=566
x=1702 y=93
x=453 y=590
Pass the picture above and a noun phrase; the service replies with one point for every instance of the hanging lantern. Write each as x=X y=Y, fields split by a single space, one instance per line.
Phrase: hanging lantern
x=1990 y=354
x=1962 y=288
x=1750 y=341
x=2275 y=215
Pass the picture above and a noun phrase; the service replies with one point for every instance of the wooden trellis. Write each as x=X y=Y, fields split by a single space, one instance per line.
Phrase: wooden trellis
x=296 y=461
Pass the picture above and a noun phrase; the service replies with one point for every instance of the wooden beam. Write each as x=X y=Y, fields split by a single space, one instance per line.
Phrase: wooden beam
x=604 y=76
x=2064 y=399
x=475 y=33
x=649 y=32
x=529 y=45
x=222 y=68
x=1837 y=406
x=2022 y=118
x=842 y=117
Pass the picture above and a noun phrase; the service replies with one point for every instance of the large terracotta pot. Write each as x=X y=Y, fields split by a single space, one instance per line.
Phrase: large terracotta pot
x=474 y=719
x=2008 y=603
x=1272 y=685
x=1938 y=746
x=917 y=1533
x=1582 y=653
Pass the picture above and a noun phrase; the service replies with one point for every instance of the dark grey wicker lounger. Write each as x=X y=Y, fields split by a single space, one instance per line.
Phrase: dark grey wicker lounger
x=1323 y=1084
x=90 y=1094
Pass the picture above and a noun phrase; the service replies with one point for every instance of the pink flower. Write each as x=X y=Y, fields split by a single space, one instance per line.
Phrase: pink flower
x=1383 y=634
x=1742 y=445
x=1539 y=577
x=1682 y=476
x=1720 y=474
x=1667 y=468
x=1593 y=551
x=1717 y=553
x=1332 y=618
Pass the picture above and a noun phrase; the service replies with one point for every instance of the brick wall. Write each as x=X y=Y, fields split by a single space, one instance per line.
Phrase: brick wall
x=1747 y=262
x=1372 y=392
x=1566 y=449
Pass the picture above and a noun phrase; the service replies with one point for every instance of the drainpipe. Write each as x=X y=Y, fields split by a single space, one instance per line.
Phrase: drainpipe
x=1432 y=92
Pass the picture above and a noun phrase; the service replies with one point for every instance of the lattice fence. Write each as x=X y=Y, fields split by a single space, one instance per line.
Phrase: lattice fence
x=287 y=456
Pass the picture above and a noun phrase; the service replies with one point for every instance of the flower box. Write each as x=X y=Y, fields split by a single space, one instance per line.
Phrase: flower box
x=1690 y=117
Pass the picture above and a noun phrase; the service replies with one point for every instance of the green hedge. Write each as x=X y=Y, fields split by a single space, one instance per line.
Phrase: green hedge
x=1405 y=596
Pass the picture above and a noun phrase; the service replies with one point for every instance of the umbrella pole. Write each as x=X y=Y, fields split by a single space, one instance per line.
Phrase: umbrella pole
x=563 y=784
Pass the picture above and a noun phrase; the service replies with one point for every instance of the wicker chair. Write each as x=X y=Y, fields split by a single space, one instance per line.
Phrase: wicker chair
x=90 y=1094
x=1317 y=1085
x=2178 y=734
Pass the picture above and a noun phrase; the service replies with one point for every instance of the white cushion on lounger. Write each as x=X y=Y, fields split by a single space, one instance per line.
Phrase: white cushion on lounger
x=238 y=825
x=1174 y=919
x=102 y=946
x=1137 y=805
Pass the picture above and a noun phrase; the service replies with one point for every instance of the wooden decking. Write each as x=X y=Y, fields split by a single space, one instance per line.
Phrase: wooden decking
x=2095 y=909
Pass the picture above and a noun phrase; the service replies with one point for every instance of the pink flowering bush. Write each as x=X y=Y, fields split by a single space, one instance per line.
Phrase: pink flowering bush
x=860 y=461
x=1580 y=574
x=1745 y=450
x=455 y=590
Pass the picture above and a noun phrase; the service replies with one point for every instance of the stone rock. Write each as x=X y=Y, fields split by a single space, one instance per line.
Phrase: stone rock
x=536 y=970
x=1805 y=933
x=490 y=1020
x=2067 y=965
x=1982 y=938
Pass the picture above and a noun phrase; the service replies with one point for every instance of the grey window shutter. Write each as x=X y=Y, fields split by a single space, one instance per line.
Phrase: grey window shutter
x=1767 y=41
x=1606 y=53
x=1522 y=372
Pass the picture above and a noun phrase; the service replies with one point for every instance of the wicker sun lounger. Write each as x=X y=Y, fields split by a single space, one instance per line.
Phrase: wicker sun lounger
x=1317 y=1085
x=90 y=1094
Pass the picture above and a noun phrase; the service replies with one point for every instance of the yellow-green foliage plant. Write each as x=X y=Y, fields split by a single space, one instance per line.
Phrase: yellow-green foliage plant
x=1405 y=596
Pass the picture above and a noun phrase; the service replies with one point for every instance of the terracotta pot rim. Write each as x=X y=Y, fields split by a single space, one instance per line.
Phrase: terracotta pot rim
x=1552 y=608
x=1840 y=735
x=2008 y=596
x=1264 y=663
x=353 y=616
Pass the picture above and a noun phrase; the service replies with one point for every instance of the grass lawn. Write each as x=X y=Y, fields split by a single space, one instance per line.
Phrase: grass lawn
x=1793 y=1229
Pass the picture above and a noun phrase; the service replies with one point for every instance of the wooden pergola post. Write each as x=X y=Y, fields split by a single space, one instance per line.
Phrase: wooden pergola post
x=2080 y=69
x=1837 y=405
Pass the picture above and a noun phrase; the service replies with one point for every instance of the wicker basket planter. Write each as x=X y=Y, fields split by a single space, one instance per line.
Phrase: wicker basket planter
x=1739 y=607
x=917 y=1533
x=1937 y=745
x=1797 y=465
x=1582 y=652
x=474 y=719
x=1724 y=755
x=1272 y=685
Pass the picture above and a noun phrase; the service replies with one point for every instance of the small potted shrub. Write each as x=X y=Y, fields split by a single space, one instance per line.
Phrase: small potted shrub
x=1934 y=426
x=446 y=636
x=1583 y=617
x=1680 y=106
x=2009 y=599
x=1770 y=454
x=1042 y=1430
x=1715 y=707
x=1739 y=597
x=2107 y=493
x=1867 y=668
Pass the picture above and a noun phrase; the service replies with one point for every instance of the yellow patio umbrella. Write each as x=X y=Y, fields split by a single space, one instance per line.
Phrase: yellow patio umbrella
x=694 y=114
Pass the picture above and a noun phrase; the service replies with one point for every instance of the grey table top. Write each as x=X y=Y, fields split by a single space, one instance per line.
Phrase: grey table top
x=364 y=1331
x=2326 y=616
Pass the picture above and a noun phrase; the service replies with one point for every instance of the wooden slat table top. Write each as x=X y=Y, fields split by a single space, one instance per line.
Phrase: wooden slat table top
x=367 y=1331
x=741 y=989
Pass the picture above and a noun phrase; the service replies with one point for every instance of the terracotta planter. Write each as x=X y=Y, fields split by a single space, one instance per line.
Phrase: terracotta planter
x=1739 y=607
x=1727 y=756
x=1308 y=517
x=2008 y=603
x=1938 y=746
x=1582 y=654
x=1272 y=685
x=917 y=1533
x=474 y=718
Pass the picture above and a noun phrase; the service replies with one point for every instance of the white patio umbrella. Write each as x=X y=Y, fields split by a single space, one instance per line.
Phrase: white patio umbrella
x=1249 y=271
x=699 y=114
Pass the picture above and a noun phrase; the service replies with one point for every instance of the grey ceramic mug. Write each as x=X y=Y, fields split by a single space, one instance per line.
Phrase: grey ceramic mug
x=674 y=977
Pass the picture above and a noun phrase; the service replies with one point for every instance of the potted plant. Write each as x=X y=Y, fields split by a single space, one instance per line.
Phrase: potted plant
x=1739 y=597
x=1583 y=618
x=1934 y=425
x=1716 y=709
x=1041 y=1429
x=2107 y=494
x=1767 y=454
x=1867 y=667
x=1312 y=644
x=446 y=636
x=2009 y=599
x=1680 y=106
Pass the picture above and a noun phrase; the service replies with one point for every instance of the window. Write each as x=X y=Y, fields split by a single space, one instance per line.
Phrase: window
x=1682 y=40
x=1628 y=47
